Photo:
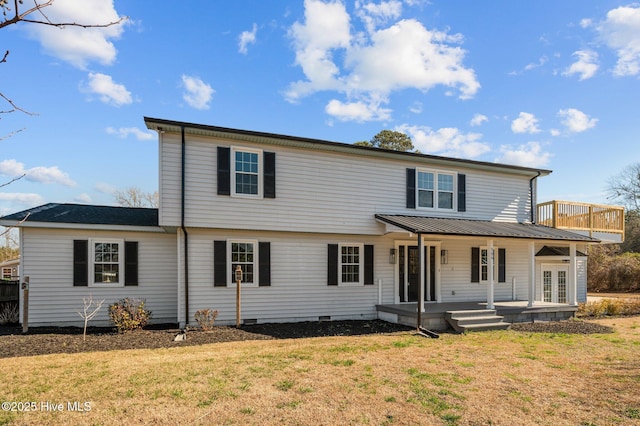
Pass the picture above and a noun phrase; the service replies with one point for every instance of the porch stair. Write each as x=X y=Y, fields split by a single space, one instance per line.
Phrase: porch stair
x=476 y=320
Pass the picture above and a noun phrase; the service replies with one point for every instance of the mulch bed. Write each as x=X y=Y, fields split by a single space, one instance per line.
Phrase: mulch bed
x=51 y=340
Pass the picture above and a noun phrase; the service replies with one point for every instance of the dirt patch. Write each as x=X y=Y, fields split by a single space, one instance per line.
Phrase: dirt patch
x=51 y=340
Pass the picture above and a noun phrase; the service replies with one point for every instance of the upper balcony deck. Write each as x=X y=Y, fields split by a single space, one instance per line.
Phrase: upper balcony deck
x=596 y=220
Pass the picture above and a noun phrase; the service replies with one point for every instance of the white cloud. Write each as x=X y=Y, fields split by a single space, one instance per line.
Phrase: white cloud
x=109 y=92
x=25 y=199
x=621 y=32
x=576 y=121
x=75 y=45
x=525 y=123
x=529 y=155
x=197 y=94
x=246 y=38
x=478 y=119
x=448 y=141
x=405 y=55
x=357 y=111
x=125 y=132
x=416 y=107
x=375 y=14
x=13 y=168
x=586 y=65
x=105 y=188
x=586 y=23
x=83 y=198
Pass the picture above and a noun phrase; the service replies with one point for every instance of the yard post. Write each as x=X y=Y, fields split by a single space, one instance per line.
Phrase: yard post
x=238 y=273
x=25 y=305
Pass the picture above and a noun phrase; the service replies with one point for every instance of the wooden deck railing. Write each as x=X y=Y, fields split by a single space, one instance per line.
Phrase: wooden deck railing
x=582 y=217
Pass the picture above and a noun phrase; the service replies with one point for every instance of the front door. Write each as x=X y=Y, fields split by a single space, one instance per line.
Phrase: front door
x=408 y=272
x=554 y=283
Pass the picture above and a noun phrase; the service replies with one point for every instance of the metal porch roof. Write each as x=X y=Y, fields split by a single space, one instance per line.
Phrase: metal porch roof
x=479 y=228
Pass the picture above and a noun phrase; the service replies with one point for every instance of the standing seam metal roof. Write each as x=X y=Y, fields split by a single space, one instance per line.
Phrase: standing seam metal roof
x=478 y=228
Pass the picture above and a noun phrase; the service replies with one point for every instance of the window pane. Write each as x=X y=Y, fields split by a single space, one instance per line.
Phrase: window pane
x=242 y=255
x=445 y=200
x=425 y=180
x=425 y=198
x=445 y=182
x=350 y=260
x=106 y=268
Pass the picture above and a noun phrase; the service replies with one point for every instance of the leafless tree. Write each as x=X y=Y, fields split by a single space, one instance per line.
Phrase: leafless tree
x=625 y=187
x=34 y=13
x=135 y=197
x=89 y=311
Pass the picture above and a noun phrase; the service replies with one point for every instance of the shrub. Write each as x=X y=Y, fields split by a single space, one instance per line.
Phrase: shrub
x=609 y=307
x=9 y=313
x=129 y=314
x=206 y=318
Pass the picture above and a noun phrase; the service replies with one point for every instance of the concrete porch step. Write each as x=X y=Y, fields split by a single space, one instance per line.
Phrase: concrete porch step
x=475 y=320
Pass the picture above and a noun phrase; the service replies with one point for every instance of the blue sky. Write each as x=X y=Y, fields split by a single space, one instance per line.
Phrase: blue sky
x=537 y=83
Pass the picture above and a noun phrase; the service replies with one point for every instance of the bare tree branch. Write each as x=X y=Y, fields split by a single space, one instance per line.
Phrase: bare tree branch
x=9 y=228
x=12 y=180
x=22 y=17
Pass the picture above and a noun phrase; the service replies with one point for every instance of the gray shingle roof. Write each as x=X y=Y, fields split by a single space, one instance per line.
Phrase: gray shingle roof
x=478 y=228
x=87 y=214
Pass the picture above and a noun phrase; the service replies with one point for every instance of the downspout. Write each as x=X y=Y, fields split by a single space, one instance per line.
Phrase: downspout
x=533 y=216
x=184 y=229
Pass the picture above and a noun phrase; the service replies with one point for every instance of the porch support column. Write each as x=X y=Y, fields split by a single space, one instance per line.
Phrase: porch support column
x=573 y=275
x=420 y=282
x=532 y=273
x=490 y=267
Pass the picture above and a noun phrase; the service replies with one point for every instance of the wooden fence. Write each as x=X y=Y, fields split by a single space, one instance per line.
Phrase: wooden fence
x=582 y=216
x=9 y=290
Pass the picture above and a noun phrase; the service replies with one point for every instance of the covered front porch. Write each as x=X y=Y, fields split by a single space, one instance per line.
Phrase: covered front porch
x=433 y=316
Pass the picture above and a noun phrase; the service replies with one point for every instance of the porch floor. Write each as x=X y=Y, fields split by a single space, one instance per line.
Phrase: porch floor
x=433 y=316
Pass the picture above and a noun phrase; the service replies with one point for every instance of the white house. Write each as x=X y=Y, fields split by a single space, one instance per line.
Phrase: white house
x=321 y=230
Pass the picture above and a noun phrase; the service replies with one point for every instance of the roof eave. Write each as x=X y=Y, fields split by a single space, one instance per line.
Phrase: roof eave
x=162 y=125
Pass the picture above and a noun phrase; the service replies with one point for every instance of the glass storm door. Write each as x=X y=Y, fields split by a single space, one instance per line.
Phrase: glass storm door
x=554 y=283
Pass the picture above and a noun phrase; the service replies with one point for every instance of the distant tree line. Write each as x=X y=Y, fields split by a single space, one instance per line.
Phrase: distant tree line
x=616 y=267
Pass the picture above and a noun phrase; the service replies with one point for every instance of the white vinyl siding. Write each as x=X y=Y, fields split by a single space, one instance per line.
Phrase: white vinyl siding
x=319 y=191
x=47 y=259
x=298 y=290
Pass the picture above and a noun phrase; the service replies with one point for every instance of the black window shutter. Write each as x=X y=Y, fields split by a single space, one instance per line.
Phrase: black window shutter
x=411 y=188
x=502 y=265
x=368 y=264
x=220 y=263
x=332 y=265
x=224 y=170
x=80 y=262
x=264 y=268
x=462 y=192
x=269 y=161
x=130 y=263
x=475 y=264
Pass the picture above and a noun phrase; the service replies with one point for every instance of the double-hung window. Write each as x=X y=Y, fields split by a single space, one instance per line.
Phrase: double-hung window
x=243 y=254
x=107 y=259
x=246 y=172
x=351 y=264
x=435 y=189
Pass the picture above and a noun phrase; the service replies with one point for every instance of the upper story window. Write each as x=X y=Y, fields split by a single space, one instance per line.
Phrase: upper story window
x=247 y=173
x=435 y=189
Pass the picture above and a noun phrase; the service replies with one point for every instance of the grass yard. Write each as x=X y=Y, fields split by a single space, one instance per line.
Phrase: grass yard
x=491 y=378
